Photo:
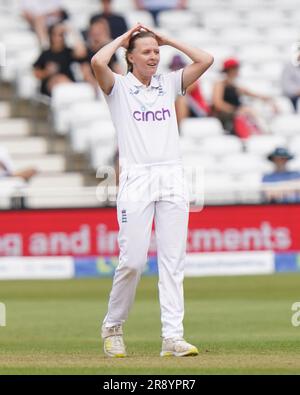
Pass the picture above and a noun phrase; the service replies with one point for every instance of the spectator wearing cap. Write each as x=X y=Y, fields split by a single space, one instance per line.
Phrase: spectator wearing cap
x=117 y=23
x=281 y=174
x=156 y=6
x=228 y=105
x=193 y=104
x=290 y=79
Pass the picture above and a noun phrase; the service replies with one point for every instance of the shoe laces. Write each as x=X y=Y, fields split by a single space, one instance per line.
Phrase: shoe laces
x=114 y=330
x=117 y=337
x=179 y=344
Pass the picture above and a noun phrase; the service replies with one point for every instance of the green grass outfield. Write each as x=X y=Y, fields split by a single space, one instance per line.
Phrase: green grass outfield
x=240 y=324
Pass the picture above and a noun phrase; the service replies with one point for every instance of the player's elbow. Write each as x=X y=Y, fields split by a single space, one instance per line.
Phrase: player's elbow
x=97 y=63
x=94 y=62
x=205 y=62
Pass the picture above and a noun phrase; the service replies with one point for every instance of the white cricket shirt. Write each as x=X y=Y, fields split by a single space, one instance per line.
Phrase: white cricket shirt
x=145 y=118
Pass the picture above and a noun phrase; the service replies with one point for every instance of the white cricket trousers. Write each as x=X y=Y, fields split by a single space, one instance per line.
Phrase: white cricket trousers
x=156 y=192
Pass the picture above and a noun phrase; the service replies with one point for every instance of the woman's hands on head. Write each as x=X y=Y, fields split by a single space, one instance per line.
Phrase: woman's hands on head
x=142 y=28
x=125 y=38
x=162 y=40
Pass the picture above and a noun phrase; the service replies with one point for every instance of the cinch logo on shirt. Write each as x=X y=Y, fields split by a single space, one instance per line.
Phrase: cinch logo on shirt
x=148 y=116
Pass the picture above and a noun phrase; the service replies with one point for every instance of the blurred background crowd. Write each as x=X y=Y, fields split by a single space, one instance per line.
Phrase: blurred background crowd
x=240 y=122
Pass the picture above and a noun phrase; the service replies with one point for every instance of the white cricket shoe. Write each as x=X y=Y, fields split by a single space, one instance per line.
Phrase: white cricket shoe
x=177 y=347
x=113 y=341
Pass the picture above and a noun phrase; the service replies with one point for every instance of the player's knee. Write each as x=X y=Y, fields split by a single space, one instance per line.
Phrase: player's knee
x=133 y=266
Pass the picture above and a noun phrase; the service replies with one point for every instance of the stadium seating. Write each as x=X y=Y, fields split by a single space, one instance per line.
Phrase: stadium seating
x=294 y=164
x=220 y=19
x=102 y=155
x=247 y=6
x=68 y=180
x=271 y=71
x=234 y=35
x=123 y=6
x=281 y=35
x=286 y=125
x=16 y=127
x=63 y=198
x=259 y=53
x=207 y=162
x=101 y=144
x=219 y=189
x=4 y=111
x=262 y=18
x=87 y=112
x=99 y=131
x=244 y=163
x=63 y=96
x=20 y=47
x=198 y=128
x=11 y=23
x=134 y=16
x=218 y=145
x=171 y=20
x=79 y=12
x=53 y=163
x=28 y=145
x=221 y=52
x=294 y=145
x=27 y=85
x=197 y=36
x=263 y=145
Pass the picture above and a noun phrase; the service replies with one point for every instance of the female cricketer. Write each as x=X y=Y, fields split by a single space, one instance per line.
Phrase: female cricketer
x=152 y=185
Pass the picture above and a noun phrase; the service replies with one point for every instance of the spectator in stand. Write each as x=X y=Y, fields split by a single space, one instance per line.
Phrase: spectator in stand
x=6 y=167
x=290 y=80
x=54 y=65
x=156 y=6
x=117 y=23
x=98 y=35
x=42 y=14
x=288 y=179
x=228 y=107
x=193 y=104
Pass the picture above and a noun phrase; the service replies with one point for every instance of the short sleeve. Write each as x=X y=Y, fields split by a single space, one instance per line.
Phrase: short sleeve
x=176 y=80
x=115 y=88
